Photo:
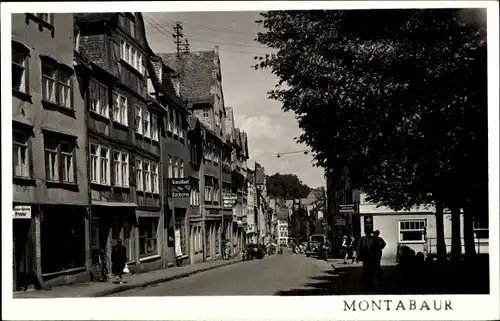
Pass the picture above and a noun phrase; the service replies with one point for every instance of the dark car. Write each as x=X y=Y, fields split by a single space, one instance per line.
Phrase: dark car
x=313 y=248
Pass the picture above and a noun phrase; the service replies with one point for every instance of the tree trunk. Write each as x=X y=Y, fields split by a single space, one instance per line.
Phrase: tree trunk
x=456 y=235
x=440 y=244
x=470 y=247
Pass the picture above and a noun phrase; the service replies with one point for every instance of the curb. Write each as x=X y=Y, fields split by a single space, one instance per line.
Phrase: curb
x=124 y=288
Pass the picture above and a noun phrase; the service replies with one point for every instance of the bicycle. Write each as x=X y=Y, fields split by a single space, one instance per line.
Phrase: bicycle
x=99 y=270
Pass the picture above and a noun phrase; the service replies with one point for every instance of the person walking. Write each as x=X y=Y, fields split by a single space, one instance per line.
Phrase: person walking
x=345 y=246
x=379 y=248
x=352 y=250
x=367 y=254
x=118 y=260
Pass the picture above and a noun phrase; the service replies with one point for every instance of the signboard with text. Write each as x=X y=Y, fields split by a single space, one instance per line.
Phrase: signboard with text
x=179 y=188
x=368 y=220
x=347 y=208
x=229 y=200
x=22 y=212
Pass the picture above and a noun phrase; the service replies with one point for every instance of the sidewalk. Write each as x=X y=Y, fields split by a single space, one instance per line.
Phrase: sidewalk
x=100 y=289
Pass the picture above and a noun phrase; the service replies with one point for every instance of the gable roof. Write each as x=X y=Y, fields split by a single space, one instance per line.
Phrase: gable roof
x=196 y=71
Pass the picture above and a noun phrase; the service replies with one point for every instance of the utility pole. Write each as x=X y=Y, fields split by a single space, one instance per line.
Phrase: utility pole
x=178 y=35
x=186 y=46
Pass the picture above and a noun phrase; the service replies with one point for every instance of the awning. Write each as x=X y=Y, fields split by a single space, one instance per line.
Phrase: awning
x=113 y=204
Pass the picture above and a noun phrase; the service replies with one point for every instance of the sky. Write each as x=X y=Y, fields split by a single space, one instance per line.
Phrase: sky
x=269 y=129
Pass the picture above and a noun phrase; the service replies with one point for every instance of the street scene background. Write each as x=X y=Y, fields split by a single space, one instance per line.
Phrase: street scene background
x=280 y=153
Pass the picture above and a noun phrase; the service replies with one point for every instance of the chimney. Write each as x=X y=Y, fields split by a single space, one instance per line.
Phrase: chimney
x=216 y=50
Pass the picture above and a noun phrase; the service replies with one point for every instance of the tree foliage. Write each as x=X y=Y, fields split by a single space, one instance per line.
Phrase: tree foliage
x=287 y=186
x=401 y=104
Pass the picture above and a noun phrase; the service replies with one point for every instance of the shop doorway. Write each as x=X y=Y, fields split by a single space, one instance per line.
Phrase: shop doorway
x=22 y=271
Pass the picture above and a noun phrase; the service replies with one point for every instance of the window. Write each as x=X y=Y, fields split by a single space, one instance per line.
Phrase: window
x=481 y=229
x=156 y=184
x=170 y=171
x=174 y=113
x=181 y=168
x=47 y=17
x=179 y=125
x=147 y=124
x=57 y=86
x=138 y=175
x=131 y=56
x=20 y=154
x=100 y=165
x=138 y=120
x=120 y=109
x=99 y=99
x=205 y=113
x=19 y=75
x=121 y=168
x=147 y=176
x=59 y=160
x=154 y=127
x=170 y=119
x=175 y=171
x=412 y=230
x=132 y=28
x=148 y=236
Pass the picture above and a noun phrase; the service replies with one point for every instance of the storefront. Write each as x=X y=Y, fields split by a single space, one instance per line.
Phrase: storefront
x=22 y=246
x=180 y=236
x=213 y=230
x=113 y=221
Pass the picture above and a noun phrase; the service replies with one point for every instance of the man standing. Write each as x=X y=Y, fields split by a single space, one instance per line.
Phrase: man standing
x=367 y=254
x=379 y=247
x=118 y=260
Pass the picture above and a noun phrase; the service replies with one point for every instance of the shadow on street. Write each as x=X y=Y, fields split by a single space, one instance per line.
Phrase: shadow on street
x=446 y=279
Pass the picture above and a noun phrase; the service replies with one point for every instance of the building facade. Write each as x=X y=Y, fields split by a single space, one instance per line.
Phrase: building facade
x=251 y=231
x=124 y=146
x=50 y=189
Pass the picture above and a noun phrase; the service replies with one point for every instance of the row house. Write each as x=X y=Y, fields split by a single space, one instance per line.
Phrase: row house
x=251 y=231
x=262 y=206
x=50 y=189
x=124 y=145
x=240 y=187
x=199 y=80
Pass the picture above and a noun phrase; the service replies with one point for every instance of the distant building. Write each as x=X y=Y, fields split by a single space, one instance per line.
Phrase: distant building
x=415 y=228
x=283 y=226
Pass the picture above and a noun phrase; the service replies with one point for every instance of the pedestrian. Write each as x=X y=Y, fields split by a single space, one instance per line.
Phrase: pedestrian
x=118 y=260
x=367 y=254
x=352 y=250
x=380 y=245
x=344 y=248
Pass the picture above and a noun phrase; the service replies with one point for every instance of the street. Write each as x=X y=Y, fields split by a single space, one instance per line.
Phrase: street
x=276 y=275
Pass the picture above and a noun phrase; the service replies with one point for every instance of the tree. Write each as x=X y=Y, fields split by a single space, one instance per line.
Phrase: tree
x=400 y=104
x=287 y=186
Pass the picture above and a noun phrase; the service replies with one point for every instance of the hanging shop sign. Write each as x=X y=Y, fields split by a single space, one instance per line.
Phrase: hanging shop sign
x=229 y=200
x=179 y=188
x=22 y=212
x=368 y=220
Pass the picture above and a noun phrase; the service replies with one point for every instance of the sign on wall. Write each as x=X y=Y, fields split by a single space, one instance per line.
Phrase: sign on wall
x=368 y=220
x=179 y=188
x=347 y=208
x=22 y=212
x=229 y=200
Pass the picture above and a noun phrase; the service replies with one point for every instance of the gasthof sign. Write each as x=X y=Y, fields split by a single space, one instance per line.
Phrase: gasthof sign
x=179 y=188
x=347 y=208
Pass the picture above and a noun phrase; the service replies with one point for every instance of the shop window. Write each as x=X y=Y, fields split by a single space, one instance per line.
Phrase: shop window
x=412 y=231
x=62 y=237
x=148 y=236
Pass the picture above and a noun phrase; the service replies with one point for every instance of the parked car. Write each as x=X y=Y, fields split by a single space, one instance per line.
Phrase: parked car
x=313 y=246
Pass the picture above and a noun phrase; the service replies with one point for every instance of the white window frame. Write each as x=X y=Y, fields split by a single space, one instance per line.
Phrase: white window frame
x=169 y=122
x=154 y=128
x=205 y=113
x=147 y=123
x=174 y=113
x=181 y=168
x=147 y=176
x=105 y=179
x=68 y=174
x=22 y=66
x=138 y=119
x=21 y=148
x=403 y=230
x=94 y=164
x=156 y=178
x=139 y=182
x=131 y=56
x=120 y=110
x=101 y=105
x=121 y=168
x=175 y=171
x=96 y=170
x=170 y=167
x=47 y=17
